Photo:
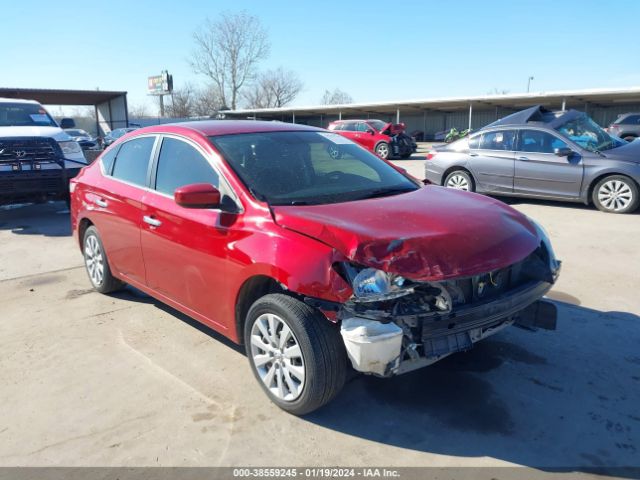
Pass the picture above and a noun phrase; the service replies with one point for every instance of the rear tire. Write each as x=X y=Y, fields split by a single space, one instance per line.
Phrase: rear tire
x=405 y=156
x=295 y=353
x=460 y=180
x=616 y=194
x=97 y=264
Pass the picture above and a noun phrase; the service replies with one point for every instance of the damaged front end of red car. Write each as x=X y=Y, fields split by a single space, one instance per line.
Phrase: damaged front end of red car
x=440 y=286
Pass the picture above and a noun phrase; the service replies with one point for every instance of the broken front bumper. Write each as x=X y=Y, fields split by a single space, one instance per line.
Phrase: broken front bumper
x=391 y=348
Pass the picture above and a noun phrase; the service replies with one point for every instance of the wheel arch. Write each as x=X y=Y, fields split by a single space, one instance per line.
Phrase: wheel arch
x=588 y=198
x=450 y=170
x=82 y=227
x=252 y=289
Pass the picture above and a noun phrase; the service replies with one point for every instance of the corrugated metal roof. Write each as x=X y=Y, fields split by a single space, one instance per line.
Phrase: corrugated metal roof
x=61 y=97
x=606 y=95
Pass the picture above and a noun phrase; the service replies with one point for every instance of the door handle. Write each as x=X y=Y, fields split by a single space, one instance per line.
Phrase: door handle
x=100 y=202
x=473 y=154
x=154 y=222
x=523 y=158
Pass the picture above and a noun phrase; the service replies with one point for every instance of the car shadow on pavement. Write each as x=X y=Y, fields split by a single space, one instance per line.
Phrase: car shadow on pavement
x=49 y=219
x=132 y=294
x=548 y=400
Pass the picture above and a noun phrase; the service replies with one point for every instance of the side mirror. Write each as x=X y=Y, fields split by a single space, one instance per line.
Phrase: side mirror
x=197 y=195
x=563 y=152
x=371 y=132
x=67 y=123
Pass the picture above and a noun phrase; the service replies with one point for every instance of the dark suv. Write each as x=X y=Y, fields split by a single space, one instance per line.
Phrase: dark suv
x=626 y=126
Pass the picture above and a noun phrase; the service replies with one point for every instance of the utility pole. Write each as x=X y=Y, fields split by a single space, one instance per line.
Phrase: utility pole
x=529 y=83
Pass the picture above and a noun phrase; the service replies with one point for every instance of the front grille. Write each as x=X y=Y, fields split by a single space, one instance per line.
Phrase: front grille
x=29 y=149
x=42 y=182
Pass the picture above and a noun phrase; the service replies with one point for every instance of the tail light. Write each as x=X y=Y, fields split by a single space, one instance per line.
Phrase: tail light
x=431 y=154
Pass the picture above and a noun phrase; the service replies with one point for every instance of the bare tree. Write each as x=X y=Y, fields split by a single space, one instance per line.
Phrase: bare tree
x=274 y=88
x=207 y=102
x=182 y=102
x=139 y=110
x=498 y=91
x=336 y=97
x=228 y=50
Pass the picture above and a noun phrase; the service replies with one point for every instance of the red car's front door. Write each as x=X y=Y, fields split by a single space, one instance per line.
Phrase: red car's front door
x=365 y=136
x=185 y=249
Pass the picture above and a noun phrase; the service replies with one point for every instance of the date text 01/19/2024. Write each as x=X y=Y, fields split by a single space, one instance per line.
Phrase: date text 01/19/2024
x=320 y=472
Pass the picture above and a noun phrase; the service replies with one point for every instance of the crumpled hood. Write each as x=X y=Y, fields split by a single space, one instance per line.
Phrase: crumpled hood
x=52 y=132
x=629 y=152
x=433 y=233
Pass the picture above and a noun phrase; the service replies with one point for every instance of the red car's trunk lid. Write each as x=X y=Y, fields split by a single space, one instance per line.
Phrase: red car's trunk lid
x=432 y=233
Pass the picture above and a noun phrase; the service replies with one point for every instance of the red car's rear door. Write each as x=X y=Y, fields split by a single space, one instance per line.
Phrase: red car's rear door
x=118 y=203
x=185 y=250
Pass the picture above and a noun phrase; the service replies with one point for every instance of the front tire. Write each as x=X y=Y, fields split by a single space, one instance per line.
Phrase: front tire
x=382 y=150
x=295 y=353
x=460 y=180
x=96 y=263
x=616 y=194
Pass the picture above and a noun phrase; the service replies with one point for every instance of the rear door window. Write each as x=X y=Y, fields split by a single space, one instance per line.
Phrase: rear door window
x=500 y=140
x=107 y=159
x=132 y=160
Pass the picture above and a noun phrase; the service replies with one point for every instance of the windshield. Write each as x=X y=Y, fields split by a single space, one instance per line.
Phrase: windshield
x=24 y=115
x=308 y=168
x=588 y=134
x=377 y=124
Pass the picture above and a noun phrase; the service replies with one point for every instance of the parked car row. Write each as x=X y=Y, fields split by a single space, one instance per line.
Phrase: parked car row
x=542 y=154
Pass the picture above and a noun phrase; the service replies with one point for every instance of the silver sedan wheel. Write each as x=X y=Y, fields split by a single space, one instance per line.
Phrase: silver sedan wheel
x=94 y=260
x=382 y=150
x=459 y=182
x=277 y=357
x=615 y=195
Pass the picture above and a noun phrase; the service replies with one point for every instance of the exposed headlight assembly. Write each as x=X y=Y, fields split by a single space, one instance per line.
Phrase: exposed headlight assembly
x=69 y=148
x=373 y=285
x=554 y=263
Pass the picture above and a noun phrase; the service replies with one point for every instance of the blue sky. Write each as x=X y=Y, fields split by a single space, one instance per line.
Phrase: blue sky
x=374 y=50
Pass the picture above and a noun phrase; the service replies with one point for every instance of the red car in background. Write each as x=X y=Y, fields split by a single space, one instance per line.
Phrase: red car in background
x=387 y=140
x=253 y=229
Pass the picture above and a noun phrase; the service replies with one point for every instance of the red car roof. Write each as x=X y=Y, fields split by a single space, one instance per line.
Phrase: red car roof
x=227 y=127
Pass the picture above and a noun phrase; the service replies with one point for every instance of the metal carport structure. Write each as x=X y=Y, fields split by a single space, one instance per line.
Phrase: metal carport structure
x=110 y=106
x=433 y=115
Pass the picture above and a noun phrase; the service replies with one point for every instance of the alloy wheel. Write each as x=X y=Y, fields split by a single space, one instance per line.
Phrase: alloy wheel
x=94 y=260
x=459 y=182
x=382 y=150
x=615 y=195
x=277 y=357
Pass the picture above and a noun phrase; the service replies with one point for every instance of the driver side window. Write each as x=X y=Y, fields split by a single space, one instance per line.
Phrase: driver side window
x=180 y=164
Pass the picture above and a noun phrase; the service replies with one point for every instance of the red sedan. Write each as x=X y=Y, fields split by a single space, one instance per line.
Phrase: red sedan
x=312 y=263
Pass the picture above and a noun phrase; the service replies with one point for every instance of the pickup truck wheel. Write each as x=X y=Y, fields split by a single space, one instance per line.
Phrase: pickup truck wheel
x=616 y=194
x=295 y=353
x=382 y=150
x=404 y=156
x=95 y=261
x=460 y=180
